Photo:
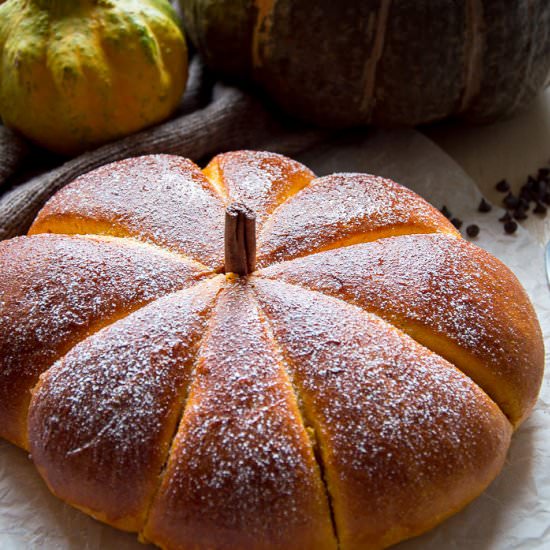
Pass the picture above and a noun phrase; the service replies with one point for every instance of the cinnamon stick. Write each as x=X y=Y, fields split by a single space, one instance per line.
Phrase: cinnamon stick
x=240 y=239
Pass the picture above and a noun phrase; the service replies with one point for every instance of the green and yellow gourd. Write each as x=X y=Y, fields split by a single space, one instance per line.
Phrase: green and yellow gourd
x=353 y=62
x=78 y=73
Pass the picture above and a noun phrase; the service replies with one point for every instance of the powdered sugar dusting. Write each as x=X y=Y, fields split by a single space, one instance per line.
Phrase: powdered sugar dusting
x=334 y=209
x=55 y=290
x=451 y=289
x=398 y=425
x=404 y=437
x=261 y=180
x=242 y=469
x=162 y=199
x=102 y=418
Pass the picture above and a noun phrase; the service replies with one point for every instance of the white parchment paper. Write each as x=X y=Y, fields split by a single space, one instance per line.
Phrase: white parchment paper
x=514 y=513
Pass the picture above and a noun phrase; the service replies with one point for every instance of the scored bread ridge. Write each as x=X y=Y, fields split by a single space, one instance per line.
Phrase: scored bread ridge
x=162 y=199
x=307 y=422
x=406 y=438
x=260 y=180
x=283 y=194
x=242 y=472
x=170 y=202
x=58 y=290
x=102 y=420
x=340 y=210
x=449 y=295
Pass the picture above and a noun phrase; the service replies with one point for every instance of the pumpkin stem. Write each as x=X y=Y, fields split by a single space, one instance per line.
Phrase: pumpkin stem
x=240 y=239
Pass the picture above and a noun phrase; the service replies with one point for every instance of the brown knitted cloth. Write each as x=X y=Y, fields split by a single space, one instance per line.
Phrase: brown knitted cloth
x=212 y=118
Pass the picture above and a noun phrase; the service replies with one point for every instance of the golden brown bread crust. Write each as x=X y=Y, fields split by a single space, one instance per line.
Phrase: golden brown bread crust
x=261 y=180
x=109 y=409
x=398 y=437
x=406 y=439
x=242 y=472
x=448 y=294
x=344 y=209
x=161 y=199
x=55 y=290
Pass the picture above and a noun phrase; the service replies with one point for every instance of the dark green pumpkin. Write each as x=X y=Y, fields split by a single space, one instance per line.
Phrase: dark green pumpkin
x=345 y=63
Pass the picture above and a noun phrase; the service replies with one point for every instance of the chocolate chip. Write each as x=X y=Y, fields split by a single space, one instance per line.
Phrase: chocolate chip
x=527 y=194
x=546 y=198
x=523 y=204
x=540 y=209
x=520 y=214
x=484 y=206
x=446 y=212
x=510 y=201
x=472 y=230
x=544 y=174
x=506 y=218
x=540 y=189
x=503 y=186
x=532 y=191
x=510 y=227
x=456 y=222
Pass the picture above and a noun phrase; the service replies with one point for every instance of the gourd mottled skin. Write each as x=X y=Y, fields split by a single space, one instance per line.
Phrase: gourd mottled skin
x=387 y=62
x=78 y=73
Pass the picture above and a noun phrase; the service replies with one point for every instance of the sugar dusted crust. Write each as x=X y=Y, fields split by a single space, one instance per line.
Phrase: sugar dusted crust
x=451 y=296
x=402 y=434
x=344 y=209
x=163 y=200
x=56 y=290
x=356 y=390
x=242 y=455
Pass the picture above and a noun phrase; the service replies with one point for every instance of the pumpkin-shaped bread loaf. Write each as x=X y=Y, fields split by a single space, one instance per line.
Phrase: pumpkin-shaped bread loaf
x=349 y=381
x=380 y=61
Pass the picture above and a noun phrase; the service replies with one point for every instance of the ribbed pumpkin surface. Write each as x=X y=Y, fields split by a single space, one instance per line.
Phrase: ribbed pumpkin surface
x=76 y=74
x=381 y=61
